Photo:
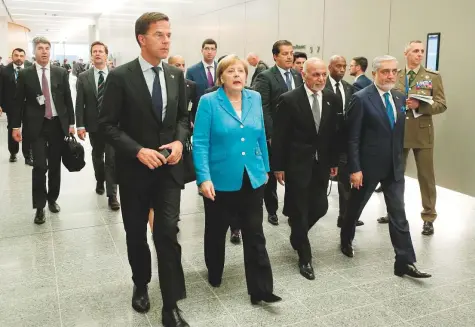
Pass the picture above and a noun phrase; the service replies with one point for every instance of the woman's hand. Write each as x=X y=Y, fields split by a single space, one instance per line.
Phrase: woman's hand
x=207 y=189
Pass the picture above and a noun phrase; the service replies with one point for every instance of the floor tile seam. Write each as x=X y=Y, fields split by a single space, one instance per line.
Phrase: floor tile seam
x=438 y=311
x=8 y=237
x=56 y=278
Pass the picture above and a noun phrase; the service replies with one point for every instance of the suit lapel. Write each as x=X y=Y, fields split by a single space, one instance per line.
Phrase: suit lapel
x=141 y=89
x=171 y=90
x=379 y=106
x=326 y=107
x=226 y=104
x=279 y=78
x=399 y=107
x=246 y=105
x=92 y=81
x=297 y=78
x=304 y=105
x=347 y=89
x=36 y=80
x=203 y=73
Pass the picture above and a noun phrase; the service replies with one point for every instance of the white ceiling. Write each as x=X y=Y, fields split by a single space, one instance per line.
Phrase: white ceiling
x=68 y=20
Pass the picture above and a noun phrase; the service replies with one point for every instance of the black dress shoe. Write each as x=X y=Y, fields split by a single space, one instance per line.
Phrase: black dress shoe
x=273 y=219
x=379 y=189
x=173 y=318
x=40 y=216
x=383 y=220
x=410 y=270
x=140 y=299
x=428 y=228
x=347 y=250
x=214 y=281
x=339 y=222
x=306 y=270
x=100 y=188
x=236 y=237
x=29 y=161
x=359 y=223
x=12 y=158
x=113 y=203
x=267 y=298
x=54 y=207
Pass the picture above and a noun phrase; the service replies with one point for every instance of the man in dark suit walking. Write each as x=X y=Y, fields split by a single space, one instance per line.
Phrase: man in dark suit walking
x=43 y=90
x=204 y=72
x=144 y=117
x=90 y=90
x=358 y=68
x=191 y=98
x=306 y=150
x=9 y=77
x=271 y=84
x=258 y=64
x=344 y=91
x=376 y=118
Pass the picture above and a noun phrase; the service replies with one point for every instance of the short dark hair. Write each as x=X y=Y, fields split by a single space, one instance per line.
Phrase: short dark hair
x=100 y=43
x=143 y=22
x=221 y=58
x=278 y=44
x=298 y=55
x=362 y=62
x=17 y=49
x=209 y=41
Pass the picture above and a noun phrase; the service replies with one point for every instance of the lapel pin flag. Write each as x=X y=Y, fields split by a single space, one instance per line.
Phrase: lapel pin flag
x=172 y=76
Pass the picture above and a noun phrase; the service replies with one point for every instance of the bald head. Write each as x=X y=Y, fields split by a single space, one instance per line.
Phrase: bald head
x=315 y=74
x=337 y=67
x=252 y=59
x=177 y=61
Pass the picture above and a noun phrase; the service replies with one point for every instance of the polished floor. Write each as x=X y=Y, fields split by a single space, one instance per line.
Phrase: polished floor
x=73 y=270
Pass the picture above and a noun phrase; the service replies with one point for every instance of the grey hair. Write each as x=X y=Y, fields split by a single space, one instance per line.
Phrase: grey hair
x=312 y=60
x=378 y=60
x=40 y=39
x=408 y=45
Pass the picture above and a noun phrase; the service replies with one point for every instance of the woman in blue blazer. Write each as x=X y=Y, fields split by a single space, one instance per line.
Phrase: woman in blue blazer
x=231 y=162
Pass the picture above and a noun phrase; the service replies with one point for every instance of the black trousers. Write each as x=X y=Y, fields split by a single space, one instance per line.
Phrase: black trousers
x=271 y=199
x=46 y=150
x=164 y=193
x=306 y=205
x=246 y=204
x=104 y=170
x=343 y=185
x=398 y=224
x=14 y=146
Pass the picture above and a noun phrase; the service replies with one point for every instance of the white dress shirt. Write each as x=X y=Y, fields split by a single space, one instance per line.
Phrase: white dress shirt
x=149 y=75
x=340 y=86
x=211 y=68
x=282 y=72
x=96 y=75
x=39 y=70
x=391 y=100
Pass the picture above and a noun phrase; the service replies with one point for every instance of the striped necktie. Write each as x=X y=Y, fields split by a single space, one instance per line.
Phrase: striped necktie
x=100 y=89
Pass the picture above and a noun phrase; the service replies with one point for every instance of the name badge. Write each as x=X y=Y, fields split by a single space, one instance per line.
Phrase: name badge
x=190 y=104
x=40 y=99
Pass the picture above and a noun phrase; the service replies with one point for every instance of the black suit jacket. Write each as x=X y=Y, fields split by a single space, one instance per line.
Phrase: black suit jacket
x=8 y=86
x=373 y=147
x=362 y=82
x=129 y=122
x=271 y=85
x=28 y=88
x=87 y=113
x=261 y=66
x=191 y=98
x=296 y=140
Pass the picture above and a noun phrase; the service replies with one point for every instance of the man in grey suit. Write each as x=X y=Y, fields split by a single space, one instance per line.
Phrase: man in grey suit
x=271 y=84
x=258 y=64
x=90 y=89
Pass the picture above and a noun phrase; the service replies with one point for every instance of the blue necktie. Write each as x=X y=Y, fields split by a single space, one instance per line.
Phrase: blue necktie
x=288 y=81
x=157 y=100
x=389 y=109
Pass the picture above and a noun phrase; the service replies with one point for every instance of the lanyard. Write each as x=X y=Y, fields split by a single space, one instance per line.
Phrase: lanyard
x=407 y=84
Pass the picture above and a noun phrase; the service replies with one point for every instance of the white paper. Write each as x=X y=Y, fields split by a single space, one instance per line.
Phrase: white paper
x=40 y=99
x=423 y=98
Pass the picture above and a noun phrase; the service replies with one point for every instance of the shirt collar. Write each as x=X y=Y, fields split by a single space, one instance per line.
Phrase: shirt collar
x=282 y=71
x=332 y=81
x=39 y=67
x=206 y=65
x=310 y=93
x=15 y=67
x=381 y=92
x=105 y=70
x=145 y=65
x=415 y=70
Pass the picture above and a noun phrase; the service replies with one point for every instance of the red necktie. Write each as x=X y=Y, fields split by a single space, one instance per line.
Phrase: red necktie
x=45 y=90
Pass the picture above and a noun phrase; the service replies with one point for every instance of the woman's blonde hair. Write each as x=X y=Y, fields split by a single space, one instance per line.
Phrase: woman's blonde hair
x=225 y=63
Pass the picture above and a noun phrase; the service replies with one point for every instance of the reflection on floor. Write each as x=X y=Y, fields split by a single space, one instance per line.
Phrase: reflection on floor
x=73 y=270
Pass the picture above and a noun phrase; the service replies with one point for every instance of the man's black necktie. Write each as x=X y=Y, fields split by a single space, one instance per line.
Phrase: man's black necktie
x=17 y=71
x=157 y=100
x=100 y=89
x=338 y=93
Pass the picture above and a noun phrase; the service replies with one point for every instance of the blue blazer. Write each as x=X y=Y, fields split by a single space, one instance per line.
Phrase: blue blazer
x=197 y=74
x=362 y=82
x=374 y=147
x=224 y=144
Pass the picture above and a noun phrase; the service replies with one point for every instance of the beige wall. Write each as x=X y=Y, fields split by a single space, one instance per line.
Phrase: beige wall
x=17 y=37
x=350 y=28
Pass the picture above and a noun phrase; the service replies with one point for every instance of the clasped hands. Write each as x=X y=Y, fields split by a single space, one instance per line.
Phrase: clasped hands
x=154 y=159
x=412 y=104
